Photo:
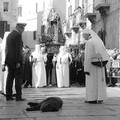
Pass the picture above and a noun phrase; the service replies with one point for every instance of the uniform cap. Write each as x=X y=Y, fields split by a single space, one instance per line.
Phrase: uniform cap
x=21 y=24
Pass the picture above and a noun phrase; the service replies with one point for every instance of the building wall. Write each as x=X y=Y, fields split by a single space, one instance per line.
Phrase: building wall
x=112 y=23
x=11 y=15
x=75 y=37
x=30 y=15
x=60 y=7
x=47 y=5
x=39 y=22
x=112 y=37
x=119 y=27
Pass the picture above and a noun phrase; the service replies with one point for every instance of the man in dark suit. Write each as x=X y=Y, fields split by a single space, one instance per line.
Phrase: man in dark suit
x=14 y=62
x=27 y=67
x=49 y=67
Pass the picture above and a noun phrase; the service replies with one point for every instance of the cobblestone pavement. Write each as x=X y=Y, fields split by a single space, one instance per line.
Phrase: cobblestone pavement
x=73 y=108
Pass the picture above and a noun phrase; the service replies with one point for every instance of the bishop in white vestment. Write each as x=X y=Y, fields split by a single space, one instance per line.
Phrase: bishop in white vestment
x=95 y=76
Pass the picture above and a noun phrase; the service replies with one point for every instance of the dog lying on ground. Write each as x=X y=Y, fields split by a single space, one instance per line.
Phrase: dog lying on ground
x=50 y=104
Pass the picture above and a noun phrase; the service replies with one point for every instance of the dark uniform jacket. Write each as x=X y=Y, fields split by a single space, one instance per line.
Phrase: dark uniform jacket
x=14 y=45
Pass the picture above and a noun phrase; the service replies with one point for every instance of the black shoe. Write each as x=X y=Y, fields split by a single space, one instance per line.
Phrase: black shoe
x=20 y=99
x=50 y=85
x=92 y=102
x=100 y=101
x=13 y=95
x=10 y=98
x=31 y=85
x=25 y=86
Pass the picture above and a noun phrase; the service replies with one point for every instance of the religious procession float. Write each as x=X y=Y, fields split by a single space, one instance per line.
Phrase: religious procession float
x=52 y=35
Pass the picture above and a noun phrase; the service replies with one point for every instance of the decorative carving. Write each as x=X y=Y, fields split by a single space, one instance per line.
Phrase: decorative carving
x=68 y=34
x=53 y=48
x=103 y=9
x=82 y=24
x=68 y=26
x=74 y=20
x=102 y=34
x=91 y=17
x=75 y=29
x=78 y=9
x=71 y=16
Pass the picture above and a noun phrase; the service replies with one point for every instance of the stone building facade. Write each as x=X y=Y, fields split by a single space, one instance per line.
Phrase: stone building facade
x=8 y=15
x=105 y=20
x=29 y=12
x=103 y=16
x=9 y=12
x=75 y=21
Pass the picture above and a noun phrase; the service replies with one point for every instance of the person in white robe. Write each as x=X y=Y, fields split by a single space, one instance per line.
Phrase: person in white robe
x=39 y=71
x=4 y=68
x=0 y=64
x=58 y=68
x=64 y=60
x=95 y=76
x=32 y=59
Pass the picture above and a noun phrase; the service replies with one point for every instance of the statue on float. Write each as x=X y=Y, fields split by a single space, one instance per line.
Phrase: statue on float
x=54 y=27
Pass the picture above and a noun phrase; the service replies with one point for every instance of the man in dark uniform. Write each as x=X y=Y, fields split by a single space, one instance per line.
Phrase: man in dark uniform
x=14 y=62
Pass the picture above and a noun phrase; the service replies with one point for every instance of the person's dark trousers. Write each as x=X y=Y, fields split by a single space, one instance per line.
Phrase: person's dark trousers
x=49 y=74
x=14 y=74
x=73 y=73
x=27 y=74
x=81 y=77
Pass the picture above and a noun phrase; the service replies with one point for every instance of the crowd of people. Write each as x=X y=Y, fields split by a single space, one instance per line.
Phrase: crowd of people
x=40 y=68
x=114 y=72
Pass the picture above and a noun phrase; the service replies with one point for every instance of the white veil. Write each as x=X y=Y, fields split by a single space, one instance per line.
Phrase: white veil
x=0 y=44
x=100 y=49
x=4 y=46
